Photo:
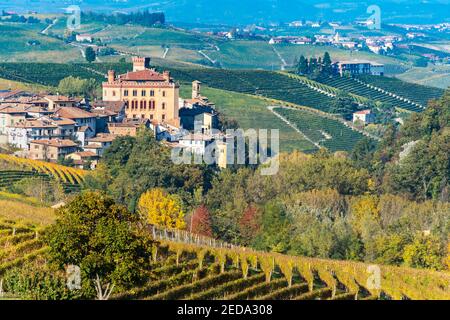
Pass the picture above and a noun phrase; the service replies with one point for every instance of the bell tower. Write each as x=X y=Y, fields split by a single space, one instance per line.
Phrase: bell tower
x=141 y=63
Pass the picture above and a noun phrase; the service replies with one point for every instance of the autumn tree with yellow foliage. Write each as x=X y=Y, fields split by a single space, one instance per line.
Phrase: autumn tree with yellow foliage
x=162 y=209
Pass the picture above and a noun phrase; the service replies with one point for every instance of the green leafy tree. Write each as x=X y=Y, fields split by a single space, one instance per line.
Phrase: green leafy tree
x=103 y=239
x=302 y=66
x=90 y=54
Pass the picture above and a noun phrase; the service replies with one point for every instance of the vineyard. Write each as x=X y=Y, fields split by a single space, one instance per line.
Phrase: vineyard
x=184 y=268
x=199 y=272
x=414 y=92
x=329 y=133
x=19 y=243
x=20 y=168
x=359 y=88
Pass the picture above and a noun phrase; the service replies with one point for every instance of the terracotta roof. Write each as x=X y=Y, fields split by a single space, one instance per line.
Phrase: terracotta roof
x=92 y=146
x=35 y=124
x=56 y=143
x=143 y=75
x=59 y=98
x=363 y=112
x=13 y=108
x=114 y=106
x=64 y=122
x=85 y=154
x=74 y=113
x=102 y=138
x=8 y=94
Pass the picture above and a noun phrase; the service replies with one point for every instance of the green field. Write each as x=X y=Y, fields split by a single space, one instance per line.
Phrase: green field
x=15 y=46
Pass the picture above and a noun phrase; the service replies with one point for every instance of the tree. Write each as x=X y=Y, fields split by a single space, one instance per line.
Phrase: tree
x=344 y=105
x=201 y=221
x=77 y=86
x=90 y=54
x=302 y=67
x=162 y=209
x=249 y=224
x=362 y=153
x=327 y=65
x=424 y=252
x=103 y=239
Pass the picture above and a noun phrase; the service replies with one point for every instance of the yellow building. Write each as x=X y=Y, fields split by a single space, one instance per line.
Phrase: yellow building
x=148 y=94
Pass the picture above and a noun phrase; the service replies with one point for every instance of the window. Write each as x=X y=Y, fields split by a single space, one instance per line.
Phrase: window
x=163 y=93
x=163 y=117
x=144 y=93
x=145 y=105
x=125 y=93
x=151 y=117
x=114 y=93
x=164 y=106
x=134 y=93
x=152 y=93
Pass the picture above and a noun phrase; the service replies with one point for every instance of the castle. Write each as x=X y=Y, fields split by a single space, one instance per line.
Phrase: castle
x=148 y=94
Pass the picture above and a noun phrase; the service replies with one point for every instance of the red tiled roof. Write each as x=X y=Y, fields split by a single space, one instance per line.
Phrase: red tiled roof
x=56 y=143
x=143 y=75
x=74 y=113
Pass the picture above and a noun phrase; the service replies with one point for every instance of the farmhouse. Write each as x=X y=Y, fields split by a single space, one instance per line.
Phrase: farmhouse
x=148 y=93
x=364 y=116
x=51 y=150
x=355 y=67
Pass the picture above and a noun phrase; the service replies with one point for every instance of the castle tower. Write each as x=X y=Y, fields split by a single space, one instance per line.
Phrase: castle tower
x=141 y=63
x=111 y=76
x=196 y=86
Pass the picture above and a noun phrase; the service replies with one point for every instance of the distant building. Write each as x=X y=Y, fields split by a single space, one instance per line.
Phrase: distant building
x=51 y=150
x=129 y=127
x=356 y=67
x=84 y=38
x=364 y=116
x=58 y=101
x=82 y=158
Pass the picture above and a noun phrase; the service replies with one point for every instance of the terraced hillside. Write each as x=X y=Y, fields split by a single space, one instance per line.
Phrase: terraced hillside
x=329 y=133
x=360 y=88
x=418 y=93
x=15 y=169
x=19 y=243
x=194 y=272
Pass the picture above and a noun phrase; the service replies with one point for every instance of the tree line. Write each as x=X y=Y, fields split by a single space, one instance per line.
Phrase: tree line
x=144 y=18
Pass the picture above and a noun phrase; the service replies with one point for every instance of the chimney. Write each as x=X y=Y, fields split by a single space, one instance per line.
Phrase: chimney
x=140 y=63
x=166 y=75
x=111 y=76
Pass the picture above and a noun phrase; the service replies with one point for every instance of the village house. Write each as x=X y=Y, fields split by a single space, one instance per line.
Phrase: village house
x=355 y=67
x=364 y=116
x=149 y=94
x=99 y=144
x=51 y=150
x=84 y=38
x=81 y=159
x=86 y=122
x=9 y=116
x=10 y=94
x=23 y=132
x=58 y=101
x=128 y=127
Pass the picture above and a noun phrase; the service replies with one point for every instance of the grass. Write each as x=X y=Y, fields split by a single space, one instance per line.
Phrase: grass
x=15 y=37
x=20 y=208
x=6 y=84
